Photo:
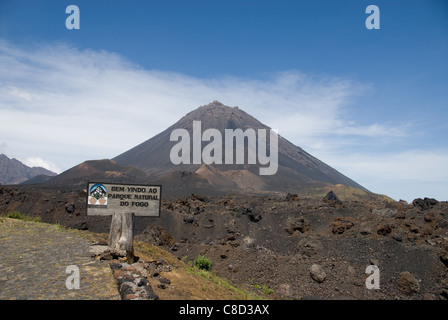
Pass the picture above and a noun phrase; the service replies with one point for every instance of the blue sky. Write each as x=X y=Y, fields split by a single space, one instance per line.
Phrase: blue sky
x=371 y=103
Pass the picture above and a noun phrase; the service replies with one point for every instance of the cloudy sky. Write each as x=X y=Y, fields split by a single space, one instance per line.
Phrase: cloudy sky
x=370 y=103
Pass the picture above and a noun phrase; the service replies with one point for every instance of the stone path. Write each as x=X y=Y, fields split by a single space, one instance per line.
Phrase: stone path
x=34 y=258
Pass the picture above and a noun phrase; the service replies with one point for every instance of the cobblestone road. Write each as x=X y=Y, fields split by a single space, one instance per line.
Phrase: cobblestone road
x=33 y=261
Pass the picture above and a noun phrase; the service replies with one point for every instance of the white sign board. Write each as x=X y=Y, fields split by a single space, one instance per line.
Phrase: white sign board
x=105 y=199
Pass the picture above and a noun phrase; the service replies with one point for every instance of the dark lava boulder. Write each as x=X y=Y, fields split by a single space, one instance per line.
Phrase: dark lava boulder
x=332 y=198
x=424 y=204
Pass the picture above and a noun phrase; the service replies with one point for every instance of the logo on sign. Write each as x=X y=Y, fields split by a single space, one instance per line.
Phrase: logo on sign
x=98 y=195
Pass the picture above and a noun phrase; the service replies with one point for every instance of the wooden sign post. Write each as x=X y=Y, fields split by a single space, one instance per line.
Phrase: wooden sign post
x=121 y=236
x=123 y=202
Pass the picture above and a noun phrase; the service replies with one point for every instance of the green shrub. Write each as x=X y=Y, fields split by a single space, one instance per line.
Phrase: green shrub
x=15 y=215
x=59 y=227
x=203 y=263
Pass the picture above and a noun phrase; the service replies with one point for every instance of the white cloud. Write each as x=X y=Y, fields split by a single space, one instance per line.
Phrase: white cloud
x=68 y=105
x=403 y=175
x=68 y=94
x=20 y=93
x=39 y=162
x=402 y=165
x=374 y=130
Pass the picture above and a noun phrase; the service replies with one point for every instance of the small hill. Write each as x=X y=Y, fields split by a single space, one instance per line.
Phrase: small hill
x=105 y=170
x=41 y=178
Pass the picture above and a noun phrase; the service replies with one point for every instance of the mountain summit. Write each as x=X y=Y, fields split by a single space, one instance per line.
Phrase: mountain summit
x=153 y=155
x=297 y=170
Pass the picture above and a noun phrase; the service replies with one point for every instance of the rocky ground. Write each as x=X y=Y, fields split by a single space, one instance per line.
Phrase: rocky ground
x=290 y=247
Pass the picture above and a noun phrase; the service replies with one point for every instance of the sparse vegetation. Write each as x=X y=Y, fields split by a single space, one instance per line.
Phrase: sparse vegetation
x=196 y=283
x=203 y=263
x=59 y=227
x=18 y=215
x=220 y=282
x=264 y=289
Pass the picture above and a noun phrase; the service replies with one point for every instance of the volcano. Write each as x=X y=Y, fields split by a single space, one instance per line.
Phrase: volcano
x=298 y=171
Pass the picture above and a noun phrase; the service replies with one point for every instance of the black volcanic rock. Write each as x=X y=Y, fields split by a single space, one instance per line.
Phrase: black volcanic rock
x=297 y=170
x=331 y=196
x=281 y=247
x=12 y=171
x=425 y=203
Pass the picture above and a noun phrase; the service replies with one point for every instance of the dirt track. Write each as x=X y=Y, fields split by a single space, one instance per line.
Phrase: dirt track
x=34 y=258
